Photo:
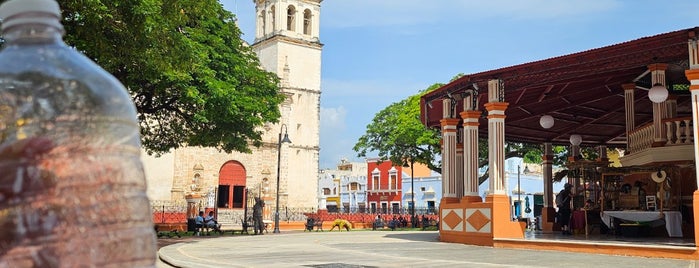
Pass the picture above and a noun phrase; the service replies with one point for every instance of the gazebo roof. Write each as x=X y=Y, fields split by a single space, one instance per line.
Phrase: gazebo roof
x=582 y=91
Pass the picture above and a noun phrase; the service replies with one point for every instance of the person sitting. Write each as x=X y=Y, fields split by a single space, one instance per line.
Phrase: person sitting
x=392 y=224
x=425 y=222
x=310 y=222
x=378 y=223
x=211 y=222
x=199 y=223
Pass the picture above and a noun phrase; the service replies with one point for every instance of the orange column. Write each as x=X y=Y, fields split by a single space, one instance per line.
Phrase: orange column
x=502 y=224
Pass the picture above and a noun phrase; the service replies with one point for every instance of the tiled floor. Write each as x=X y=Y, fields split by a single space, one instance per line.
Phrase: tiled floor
x=596 y=238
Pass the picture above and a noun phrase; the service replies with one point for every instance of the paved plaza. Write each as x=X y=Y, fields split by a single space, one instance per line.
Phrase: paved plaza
x=377 y=249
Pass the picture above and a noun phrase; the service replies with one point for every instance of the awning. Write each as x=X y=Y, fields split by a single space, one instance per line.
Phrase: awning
x=582 y=91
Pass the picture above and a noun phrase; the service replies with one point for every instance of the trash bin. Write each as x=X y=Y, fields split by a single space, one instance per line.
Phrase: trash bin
x=191 y=227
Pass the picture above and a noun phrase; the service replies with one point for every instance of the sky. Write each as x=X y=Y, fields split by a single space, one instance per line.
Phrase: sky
x=377 y=52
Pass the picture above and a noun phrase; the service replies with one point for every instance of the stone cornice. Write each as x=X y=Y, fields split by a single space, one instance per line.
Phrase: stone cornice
x=287 y=39
x=302 y=89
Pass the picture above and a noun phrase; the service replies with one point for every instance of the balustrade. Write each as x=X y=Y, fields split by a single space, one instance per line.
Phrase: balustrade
x=678 y=131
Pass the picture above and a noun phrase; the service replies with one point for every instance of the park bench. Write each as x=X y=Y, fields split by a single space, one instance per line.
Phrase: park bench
x=429 y=223
x=377 y=224
x=235 y=227
x=393 y=224
x=310 y=225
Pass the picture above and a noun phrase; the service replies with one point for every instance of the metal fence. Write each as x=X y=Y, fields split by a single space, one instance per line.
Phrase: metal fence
x=418 y=210
x=292 y=214
x=169 y=211
x=176 y=212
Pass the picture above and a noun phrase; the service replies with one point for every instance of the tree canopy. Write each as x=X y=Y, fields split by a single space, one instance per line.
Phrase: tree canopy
x=193 y=79
x=397 y=134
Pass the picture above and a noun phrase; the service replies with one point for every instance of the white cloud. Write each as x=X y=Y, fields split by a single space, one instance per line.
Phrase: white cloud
x=333 y=118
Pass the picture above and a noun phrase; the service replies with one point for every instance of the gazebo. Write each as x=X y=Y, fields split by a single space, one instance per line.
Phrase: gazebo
x=639 y=96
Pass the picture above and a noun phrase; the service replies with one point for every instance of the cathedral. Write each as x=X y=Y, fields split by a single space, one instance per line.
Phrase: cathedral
x=287 y=43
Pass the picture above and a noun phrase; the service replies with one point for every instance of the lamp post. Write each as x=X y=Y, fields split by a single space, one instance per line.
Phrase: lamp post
x=412 y=193
x=412 y=196
x=279 y=164
x=519 y=194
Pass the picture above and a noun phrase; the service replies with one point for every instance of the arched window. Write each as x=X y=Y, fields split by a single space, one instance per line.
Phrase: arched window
x=290 y=18
x=307 y=22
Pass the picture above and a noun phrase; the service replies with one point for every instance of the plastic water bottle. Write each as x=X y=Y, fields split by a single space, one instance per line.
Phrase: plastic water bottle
x=72 y=187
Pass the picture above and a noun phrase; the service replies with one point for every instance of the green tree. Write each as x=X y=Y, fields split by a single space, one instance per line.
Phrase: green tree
x=397 y=134
x=193 y=79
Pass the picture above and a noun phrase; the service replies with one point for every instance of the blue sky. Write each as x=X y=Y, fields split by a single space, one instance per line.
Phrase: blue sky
x=381 y=51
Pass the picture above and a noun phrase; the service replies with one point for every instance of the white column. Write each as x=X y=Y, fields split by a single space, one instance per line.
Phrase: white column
x=657 y=72
x=449 y=129
x=470 y=152
x=693 y=77
x=496 y=136
x=629 y=104
x=459 y=180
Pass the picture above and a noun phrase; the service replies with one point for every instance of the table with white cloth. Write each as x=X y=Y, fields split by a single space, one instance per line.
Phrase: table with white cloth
x=672 y=219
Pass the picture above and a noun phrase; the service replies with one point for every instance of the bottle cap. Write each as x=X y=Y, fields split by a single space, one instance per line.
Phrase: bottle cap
x=13 y=8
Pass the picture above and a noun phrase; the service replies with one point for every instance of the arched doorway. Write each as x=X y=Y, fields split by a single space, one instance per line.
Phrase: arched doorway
x=231 y=185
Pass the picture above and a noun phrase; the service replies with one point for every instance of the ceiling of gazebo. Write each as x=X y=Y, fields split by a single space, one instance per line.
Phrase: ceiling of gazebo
x=582 y=91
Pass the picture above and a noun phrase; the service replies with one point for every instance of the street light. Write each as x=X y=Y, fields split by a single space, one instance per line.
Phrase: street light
x=519 y=194
x=279 y=164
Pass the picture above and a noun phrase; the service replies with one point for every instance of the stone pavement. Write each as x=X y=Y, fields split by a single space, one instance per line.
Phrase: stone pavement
x=377 y=249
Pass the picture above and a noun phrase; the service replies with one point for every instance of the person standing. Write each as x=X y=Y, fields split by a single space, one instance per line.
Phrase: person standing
x=258 y=225
x=563 y=201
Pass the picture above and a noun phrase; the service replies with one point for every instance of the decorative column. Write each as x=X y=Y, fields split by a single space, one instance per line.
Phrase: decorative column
x=449 y=129
x=503 y=225
x=496 y=137
x=602 y=151
x=470 y=124
x=574 y=151
x=193 y=208
x=548 y=213
x=459 y=179
x=693 y=77
x=657 y=72
x=629 y=102
x=671 y=106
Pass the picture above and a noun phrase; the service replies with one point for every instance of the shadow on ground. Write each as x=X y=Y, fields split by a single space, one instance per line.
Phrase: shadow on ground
x=417 y=236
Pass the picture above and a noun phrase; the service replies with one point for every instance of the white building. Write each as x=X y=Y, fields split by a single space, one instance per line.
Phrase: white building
x=287 y=43
x=344 y=188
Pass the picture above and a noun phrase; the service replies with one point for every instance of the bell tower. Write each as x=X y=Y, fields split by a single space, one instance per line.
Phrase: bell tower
x=287 y=43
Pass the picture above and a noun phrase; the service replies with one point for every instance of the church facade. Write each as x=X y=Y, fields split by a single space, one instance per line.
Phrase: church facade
x=287 y=43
